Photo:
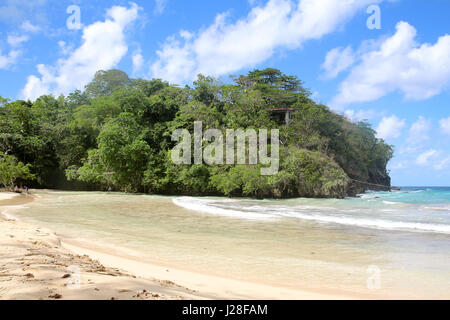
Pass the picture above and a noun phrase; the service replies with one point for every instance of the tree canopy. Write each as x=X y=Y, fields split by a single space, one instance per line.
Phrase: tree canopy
x=117 y=134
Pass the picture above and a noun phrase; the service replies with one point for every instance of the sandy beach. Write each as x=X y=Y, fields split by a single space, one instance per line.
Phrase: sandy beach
x=83 y=245
x=35 y=264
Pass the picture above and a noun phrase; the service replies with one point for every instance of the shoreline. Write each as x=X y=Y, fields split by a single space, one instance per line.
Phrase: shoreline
x=37 y=264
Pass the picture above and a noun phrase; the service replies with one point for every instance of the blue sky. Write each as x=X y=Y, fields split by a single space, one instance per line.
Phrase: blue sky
x=397 y=77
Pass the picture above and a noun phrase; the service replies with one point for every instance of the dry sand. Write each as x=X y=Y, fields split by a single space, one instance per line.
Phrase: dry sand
x=34 y=264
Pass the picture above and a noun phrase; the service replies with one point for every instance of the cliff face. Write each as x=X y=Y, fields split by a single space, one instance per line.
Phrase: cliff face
x=356 y=187
x=380 y=178
x=380 y=181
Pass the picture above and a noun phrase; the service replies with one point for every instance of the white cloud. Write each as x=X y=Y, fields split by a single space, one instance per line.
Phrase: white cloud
x=226 y=47
x=15 y=41
x=35 y=87
x=419 y=130
x=27 y=26
x=103 y=47
x=65 y=48
x=160 y=5
x=398 y=63
x=390 y=128
x=15 y=11
x=138 y=61
x=425 y=157
x=417 y=138
x=445 y=125
x=336 y=61
x=443 y=164
x=10 y=59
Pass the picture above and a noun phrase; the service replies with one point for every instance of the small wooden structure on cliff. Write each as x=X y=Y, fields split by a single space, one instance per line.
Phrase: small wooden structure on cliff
x=282 y=115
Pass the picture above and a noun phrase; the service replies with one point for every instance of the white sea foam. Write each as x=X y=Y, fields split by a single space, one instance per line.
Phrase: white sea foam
x=375 y=223
x=369 y=196
x=206 y=206
x=310 y=213
x=390 y=202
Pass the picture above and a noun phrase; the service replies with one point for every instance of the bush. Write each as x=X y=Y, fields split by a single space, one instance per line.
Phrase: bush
x=12 y=170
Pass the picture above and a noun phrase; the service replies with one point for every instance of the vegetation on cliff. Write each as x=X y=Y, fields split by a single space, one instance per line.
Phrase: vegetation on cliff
x=117 y=134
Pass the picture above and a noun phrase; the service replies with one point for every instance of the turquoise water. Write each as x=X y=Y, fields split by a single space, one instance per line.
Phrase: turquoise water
x=300 y=243
x=418 y=195
x=415 y=209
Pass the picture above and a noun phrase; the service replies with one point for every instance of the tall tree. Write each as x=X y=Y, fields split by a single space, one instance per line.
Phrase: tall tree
x=105 y=82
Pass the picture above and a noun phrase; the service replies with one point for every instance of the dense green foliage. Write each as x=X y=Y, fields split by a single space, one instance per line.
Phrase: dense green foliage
x=11 y=170
x=117 y=134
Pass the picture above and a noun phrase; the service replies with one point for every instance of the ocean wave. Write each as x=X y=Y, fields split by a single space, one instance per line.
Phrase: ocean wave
x=206 y=206
x=390 y=202
x=309 y=213
x=370 y=196
x=376 y=223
